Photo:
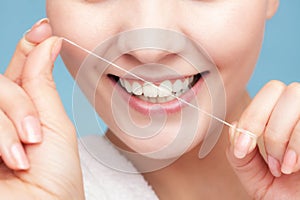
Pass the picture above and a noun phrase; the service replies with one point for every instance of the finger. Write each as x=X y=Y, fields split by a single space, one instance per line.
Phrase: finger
x=11 y=150
x=20 y=110
x=290 y=131
x=291 y=161
x=38 y=82
x=281 y=124
x=256 y=116
x=252 y=171
x=38 y=33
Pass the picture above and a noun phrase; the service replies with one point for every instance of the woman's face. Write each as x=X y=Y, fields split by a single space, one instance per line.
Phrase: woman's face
x=230 y=31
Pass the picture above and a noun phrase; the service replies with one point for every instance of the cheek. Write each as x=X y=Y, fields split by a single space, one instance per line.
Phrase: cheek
x=233 y=34
x=233 y=38
x=88 y=25
x=84 y=23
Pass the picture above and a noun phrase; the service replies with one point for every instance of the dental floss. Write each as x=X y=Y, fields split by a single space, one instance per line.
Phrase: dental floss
x=250 y=134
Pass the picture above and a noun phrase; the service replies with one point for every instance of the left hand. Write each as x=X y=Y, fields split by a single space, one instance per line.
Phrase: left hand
x=274 y=116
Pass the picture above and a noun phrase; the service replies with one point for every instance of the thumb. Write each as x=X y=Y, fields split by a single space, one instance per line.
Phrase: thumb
x=58 y=153
x=252 y=171
x=37 y=81
x=37 y=34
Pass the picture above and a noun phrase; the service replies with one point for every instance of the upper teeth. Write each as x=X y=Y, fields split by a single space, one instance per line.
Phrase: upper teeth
x=149 y=91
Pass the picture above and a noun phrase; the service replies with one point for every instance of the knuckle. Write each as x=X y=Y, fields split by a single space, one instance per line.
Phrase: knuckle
x=273 y=136
x=294 y=85
x=4 y=124
x=251 y=124
x=25 y=46
x=294 y=89
x=18 y=103
x=277 y=85
x=41 y=80
x=251 y=121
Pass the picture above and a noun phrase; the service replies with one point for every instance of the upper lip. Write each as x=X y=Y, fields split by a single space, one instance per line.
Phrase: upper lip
x=156 y=72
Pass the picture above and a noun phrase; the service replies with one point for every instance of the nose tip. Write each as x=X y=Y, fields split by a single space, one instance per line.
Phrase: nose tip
x=149 y=55
x=150 y=45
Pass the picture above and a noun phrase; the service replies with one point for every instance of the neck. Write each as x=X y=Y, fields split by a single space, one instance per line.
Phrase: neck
x=193 y=178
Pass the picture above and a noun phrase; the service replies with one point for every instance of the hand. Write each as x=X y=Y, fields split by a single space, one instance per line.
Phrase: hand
x=38 y=144
x=274 y=116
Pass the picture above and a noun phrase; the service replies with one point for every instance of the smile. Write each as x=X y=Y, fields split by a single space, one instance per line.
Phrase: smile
x=142 y=96
x=162 y=92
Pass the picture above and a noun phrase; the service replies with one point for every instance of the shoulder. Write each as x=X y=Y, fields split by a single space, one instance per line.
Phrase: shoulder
x=101 y=180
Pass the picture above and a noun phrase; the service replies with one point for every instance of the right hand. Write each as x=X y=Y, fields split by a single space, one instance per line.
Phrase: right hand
x=38 y=144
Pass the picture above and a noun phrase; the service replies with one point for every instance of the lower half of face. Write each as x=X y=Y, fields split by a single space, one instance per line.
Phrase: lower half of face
x=148 y=116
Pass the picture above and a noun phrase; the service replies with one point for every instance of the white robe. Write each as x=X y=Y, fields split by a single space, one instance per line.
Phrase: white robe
x=104 y=183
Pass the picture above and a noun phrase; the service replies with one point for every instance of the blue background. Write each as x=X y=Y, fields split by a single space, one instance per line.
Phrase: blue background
x=280 y=56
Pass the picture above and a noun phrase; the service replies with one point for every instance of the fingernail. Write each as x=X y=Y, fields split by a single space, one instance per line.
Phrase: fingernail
x=19 y=156
x=242 y=145
x=26 y=32
x=32 y=128
x=41 y=21
x=274 y=166
x=37 y=24
x=289 y=162
x=56 y=49
x=232 y=132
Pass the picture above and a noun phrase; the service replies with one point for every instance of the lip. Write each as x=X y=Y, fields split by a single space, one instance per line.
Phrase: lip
x=168 y=107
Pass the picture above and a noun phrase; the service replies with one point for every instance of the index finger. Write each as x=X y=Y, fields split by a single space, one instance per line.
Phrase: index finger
x=37 y=34
x=256 y=116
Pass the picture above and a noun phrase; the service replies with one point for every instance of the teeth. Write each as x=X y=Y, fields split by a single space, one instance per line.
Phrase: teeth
x=152 y=100
x=165 y=89
x=170 y=98
x=191 y=79
x=185 y=84
x=122 y=82
x=128 y=86
x=161 y=100
x=143 y=98
x=149 y=90
x=177 y=86
x=137 y=88
x=157 y=94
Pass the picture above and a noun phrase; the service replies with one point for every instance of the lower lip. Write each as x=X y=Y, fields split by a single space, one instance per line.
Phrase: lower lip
x=169 y=107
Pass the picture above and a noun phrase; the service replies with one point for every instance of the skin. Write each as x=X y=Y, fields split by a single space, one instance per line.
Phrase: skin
x=273 y=115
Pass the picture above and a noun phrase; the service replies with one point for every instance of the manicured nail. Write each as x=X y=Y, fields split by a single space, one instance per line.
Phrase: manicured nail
x=274 y=166
x=242 y=145
x=19 y=156
x=37 y=24
x=232 y=132
x=289 y=162
x=32 y=128
x=56 y=49
x=41 y=21
x=26 y=32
